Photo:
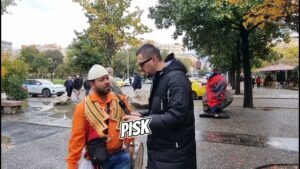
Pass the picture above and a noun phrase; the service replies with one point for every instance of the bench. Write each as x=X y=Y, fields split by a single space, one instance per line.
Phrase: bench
x=11 y=106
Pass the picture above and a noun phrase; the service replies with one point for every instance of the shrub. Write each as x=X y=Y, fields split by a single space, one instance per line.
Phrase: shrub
x=13 y=79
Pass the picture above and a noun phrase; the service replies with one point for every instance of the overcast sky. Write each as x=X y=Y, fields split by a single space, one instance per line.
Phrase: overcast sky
x=54 y=21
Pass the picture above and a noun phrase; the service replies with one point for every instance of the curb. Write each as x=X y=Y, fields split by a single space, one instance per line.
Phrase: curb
x=265 y=97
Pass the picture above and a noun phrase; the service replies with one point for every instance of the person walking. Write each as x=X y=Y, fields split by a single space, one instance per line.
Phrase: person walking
x=96 y=124
x=115 y=87
x=253 y=82
x=87 y=87
x=258 y=82
x=78 y=85
x=172 y=143
x=69 y=86
x=137 y=82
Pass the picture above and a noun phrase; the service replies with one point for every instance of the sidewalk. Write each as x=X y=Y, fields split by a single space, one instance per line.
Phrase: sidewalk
x=268 y=93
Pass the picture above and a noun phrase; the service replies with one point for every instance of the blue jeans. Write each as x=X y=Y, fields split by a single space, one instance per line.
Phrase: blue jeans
x=215 y=109
x=119 y=160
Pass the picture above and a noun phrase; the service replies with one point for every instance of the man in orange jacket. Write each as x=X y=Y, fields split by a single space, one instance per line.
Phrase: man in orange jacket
x=98 y=116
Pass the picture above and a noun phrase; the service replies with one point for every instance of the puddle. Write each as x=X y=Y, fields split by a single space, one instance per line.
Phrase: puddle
x=40 y=106
x=280 y=166
x=63 y=112
x=290 y=144
x=267 y=109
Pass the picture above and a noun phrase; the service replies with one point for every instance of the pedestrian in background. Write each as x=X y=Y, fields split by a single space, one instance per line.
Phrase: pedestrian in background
x=78 y=82
x=258 y=82
x=69 y=86
x=114 y=85
x=137 y=82
x=253 y=82
x=87 y=87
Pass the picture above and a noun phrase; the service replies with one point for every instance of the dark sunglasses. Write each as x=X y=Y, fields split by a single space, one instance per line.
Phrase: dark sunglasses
x=143 y=63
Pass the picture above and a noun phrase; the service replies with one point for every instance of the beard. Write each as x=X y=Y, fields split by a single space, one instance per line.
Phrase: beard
x=103 y=91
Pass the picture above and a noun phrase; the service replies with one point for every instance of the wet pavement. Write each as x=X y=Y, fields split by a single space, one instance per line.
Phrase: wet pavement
x=265 y=135
x=291 y=144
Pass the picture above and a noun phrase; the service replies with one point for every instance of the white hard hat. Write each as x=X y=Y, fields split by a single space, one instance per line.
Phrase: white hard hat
x=97 y=71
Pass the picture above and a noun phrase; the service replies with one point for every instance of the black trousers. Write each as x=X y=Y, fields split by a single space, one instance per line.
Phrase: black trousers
x=69 y=92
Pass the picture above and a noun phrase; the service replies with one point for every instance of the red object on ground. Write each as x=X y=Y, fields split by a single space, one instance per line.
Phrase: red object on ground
x=216 y=89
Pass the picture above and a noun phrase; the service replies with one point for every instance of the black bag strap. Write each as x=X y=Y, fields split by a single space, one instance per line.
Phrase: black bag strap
x=122 y=104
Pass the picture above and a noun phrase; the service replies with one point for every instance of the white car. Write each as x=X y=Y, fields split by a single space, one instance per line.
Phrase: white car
x=127 y=83
x=43 y=87
x=148 y=81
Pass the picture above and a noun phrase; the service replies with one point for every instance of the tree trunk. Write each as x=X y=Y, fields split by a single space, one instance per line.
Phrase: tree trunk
x=248 y=95
x=231 y=73
x=238 y=68
x=231 y=79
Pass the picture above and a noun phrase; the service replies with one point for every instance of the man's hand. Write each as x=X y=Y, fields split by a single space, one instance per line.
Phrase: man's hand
x=131 y=118
x=136 y=114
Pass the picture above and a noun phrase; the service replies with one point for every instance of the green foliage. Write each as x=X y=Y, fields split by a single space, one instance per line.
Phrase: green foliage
x=37 y=61
x=41 y=63
x=289 y=52
x=58 y=81
x=29 y=53
x=83 y=53
x=14 y=78
x=121 y=59
x=111 y=27
x=5 y=4
x=213 y=27
x=64 y=70
x=54 y=57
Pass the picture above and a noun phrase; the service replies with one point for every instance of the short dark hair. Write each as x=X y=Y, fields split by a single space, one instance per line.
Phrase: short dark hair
x=148 y=50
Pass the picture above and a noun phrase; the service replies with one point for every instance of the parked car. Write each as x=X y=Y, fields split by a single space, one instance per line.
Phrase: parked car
x=198 y=89
x=127 y=83
x=43 y=87
x=147 y=81
x=119 y=81
x=203 y=80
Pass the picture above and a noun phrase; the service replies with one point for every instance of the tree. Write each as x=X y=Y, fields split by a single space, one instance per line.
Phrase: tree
x=289 y=53
x=38 y=62
x=28 y=53
x=241 y=17
x=111 y=26
x=120 y=62
x=64 y=70
x=5 y=4
x=54 y=58
x=83 y=53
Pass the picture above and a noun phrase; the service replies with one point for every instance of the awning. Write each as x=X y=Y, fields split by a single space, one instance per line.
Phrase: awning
x=279 y=67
